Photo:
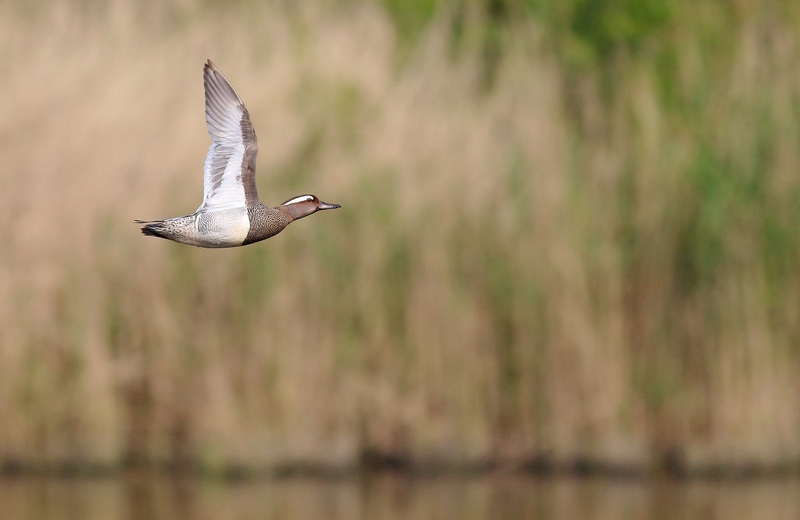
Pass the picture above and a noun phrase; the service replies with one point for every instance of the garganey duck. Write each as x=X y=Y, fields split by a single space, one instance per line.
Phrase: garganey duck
x=231 y=214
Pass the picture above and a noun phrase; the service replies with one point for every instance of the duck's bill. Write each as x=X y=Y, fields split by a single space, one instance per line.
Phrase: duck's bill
x=325 y=205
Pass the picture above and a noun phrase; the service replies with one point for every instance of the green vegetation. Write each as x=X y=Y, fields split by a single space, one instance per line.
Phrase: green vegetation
x=569 y=235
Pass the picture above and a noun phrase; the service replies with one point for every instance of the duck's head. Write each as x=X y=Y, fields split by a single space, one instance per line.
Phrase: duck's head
x=304 y=205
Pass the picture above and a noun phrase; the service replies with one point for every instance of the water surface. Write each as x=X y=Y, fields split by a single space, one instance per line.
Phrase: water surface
x=502 y=497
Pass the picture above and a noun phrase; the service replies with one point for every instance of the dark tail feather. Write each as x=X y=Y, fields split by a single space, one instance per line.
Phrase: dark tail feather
x=150 y=231
x=151 y=228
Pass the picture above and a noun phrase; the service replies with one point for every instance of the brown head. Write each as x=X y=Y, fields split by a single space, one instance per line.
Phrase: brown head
x=304 y=205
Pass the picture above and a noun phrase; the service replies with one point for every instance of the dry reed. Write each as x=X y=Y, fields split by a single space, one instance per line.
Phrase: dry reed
x=530 y=271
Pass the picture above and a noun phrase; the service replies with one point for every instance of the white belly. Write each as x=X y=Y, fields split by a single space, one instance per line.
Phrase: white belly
x=223 y=228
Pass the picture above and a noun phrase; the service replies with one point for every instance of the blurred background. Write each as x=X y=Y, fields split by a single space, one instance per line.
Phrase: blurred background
x=567 y=242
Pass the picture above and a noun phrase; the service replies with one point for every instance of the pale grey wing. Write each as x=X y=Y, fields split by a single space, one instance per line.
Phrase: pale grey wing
x=229 y=180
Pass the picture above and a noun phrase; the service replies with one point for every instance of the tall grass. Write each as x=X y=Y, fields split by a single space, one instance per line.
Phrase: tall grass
x=546 y=254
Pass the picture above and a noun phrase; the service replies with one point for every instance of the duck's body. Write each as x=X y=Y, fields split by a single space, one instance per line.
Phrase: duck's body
x=231 y=214
x=223 y=228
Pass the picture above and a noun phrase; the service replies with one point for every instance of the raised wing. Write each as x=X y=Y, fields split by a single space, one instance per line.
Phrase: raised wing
x=230 y=170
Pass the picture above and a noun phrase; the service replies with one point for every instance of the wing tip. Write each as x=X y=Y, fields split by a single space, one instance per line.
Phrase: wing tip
x=215 y=81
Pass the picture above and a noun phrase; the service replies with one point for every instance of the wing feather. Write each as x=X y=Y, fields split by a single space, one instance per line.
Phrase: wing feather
x=229 y=173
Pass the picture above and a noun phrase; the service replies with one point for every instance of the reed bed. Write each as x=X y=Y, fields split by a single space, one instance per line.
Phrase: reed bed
x=544 y=258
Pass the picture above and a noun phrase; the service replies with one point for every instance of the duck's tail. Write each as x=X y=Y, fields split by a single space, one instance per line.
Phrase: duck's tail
x=179 y=229
x=153 y=228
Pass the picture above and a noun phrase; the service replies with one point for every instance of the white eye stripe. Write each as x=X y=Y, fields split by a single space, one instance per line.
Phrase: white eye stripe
x=301 y=198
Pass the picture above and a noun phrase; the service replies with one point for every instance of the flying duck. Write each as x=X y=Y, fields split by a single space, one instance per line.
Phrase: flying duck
x=231 y=214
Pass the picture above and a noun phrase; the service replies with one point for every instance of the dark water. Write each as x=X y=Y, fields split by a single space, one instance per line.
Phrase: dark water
x=390 y=497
